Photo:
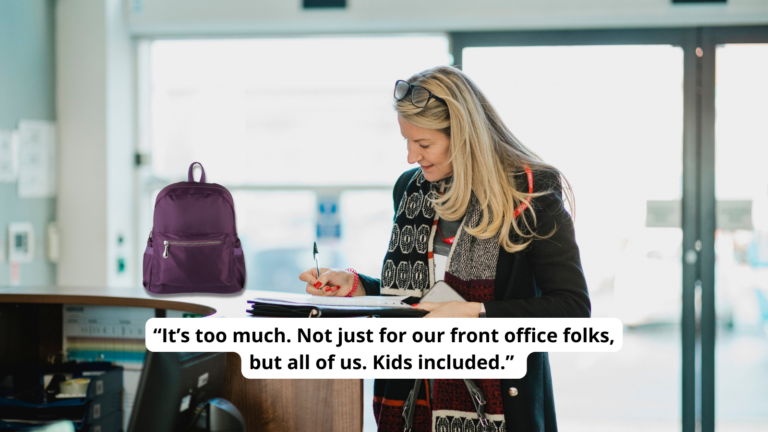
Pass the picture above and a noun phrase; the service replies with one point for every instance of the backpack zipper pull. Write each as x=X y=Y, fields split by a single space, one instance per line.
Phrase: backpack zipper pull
x=165 y=254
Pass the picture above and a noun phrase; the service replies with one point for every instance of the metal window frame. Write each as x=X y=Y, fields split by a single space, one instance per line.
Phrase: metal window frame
x=698 y=203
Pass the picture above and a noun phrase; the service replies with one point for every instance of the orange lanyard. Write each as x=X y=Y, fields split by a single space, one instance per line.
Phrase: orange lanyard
x=448 y=240
x=527 y=201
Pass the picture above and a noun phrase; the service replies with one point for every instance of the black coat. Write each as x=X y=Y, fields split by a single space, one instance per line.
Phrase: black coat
x=543 y=280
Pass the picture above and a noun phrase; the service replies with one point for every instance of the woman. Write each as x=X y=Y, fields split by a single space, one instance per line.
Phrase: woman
x=502 y=239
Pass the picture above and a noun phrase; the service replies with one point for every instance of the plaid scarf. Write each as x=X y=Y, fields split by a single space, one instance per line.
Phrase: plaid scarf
x=409 y=269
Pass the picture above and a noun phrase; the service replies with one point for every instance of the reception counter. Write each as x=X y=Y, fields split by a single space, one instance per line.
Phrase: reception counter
x=31 y=331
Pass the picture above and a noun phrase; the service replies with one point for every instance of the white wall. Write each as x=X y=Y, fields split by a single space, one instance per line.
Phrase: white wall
x=95 y=114
x=121 y=93
x=248 y=17
x=26 y=93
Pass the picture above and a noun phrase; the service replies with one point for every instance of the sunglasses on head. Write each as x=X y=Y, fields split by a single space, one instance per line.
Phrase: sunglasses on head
x=419 y=95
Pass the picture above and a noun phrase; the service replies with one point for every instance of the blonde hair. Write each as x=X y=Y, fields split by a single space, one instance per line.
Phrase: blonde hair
x=484 y=154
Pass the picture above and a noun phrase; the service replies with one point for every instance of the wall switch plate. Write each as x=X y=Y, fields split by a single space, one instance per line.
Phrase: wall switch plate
x=21 y=242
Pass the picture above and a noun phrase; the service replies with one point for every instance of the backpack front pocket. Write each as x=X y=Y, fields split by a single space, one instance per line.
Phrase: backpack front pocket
x=193 y=260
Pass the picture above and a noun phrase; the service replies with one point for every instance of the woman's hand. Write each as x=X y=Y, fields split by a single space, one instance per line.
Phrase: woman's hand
x=450 y=309
x=331 y=283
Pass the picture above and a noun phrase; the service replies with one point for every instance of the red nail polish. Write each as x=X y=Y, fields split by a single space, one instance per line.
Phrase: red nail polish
x=337 y=288
x=327 y=289
x=318 y=284
x=414 y=305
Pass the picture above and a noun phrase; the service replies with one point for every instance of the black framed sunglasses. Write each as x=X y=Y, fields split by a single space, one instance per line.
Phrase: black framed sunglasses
x=419 y=95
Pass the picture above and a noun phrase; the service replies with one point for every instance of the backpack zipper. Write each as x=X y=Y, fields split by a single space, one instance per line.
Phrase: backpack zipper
x=202 y=186
x=168 y=243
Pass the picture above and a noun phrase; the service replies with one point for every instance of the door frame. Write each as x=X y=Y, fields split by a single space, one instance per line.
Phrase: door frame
x=698 y=202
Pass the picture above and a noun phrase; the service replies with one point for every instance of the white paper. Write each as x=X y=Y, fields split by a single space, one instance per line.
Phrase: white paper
x=131 y=380
x=37 y=159
x=7 y=156
x=353 y=302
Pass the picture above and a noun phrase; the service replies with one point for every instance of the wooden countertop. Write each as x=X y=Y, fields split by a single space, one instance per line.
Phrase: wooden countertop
x=213 y=305
x=267 y=405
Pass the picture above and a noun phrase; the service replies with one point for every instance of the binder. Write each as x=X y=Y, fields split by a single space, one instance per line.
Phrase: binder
x=284 y=305
x=278 y=310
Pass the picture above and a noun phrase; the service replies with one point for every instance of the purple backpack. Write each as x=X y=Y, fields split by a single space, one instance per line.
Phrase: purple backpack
x=193 y=246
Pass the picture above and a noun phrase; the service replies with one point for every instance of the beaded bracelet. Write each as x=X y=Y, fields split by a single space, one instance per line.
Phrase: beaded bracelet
x=357 y=279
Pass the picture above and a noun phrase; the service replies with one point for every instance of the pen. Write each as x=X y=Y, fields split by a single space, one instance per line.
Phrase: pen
x=314 y=255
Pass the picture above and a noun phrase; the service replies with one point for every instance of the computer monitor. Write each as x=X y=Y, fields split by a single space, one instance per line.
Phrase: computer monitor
x=173 y=390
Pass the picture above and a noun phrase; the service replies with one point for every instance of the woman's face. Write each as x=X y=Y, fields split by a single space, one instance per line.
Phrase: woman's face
x=429 y=148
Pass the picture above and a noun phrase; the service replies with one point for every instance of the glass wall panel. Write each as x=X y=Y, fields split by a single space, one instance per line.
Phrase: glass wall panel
x=741 y=239
x=263 y=113
x=367 y=221
x=611 y=119
x=275 y=229
x=284 y=111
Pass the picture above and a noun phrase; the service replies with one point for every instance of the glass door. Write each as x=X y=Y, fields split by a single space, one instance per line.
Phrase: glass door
x=741 y=238
x=610 y=117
